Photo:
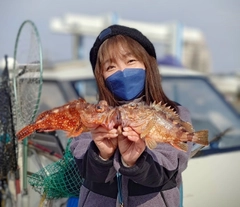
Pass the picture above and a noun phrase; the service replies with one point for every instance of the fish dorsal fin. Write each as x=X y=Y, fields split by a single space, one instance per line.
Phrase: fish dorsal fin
x=167 y=110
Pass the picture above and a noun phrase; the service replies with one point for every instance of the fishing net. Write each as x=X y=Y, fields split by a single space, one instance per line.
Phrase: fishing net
x=27 y=85
x=8 y=143
x=60 y=179
x=27 y=73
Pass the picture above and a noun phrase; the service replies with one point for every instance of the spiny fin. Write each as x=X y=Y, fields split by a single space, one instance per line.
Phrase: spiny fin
x=180 y=145
x=151 y=143
x=148 y=128
x=187 y=126
x=76 y=132
x=167 y=110
x=201 y=137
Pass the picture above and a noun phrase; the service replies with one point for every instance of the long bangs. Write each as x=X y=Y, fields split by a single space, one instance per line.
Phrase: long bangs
x=117 y=47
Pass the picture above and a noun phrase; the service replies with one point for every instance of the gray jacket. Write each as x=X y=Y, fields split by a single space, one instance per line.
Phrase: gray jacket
x=153 y=181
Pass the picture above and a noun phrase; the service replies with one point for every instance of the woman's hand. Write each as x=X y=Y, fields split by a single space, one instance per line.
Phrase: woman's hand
x=106 y=141
x=130 y=145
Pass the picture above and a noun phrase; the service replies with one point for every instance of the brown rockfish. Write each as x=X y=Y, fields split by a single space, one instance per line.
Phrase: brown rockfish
x=156 y=123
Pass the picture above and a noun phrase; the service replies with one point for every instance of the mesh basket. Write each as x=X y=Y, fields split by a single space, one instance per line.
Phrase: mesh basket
x=58 y=180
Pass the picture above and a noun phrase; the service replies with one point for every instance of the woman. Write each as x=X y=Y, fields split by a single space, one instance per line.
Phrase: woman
x=119 y=170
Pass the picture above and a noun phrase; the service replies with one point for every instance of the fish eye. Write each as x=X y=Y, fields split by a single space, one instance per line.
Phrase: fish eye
x=133 y=105
x=99 y=108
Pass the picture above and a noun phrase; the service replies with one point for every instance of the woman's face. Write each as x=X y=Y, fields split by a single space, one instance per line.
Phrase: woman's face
x=127 y=60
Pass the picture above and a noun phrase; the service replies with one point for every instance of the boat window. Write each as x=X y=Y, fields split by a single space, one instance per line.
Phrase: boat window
x=87 y=89
x=208 y=108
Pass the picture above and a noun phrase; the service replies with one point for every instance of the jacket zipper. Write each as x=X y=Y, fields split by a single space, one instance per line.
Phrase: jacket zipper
x=164 y=201
x=119 y=183
x=86 y=198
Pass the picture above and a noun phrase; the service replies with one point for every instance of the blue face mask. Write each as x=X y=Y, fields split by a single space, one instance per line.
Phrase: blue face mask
x=127 y=84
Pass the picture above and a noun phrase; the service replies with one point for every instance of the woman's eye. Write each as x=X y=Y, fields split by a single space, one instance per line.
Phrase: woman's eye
x=110 y=67
x=131 y=61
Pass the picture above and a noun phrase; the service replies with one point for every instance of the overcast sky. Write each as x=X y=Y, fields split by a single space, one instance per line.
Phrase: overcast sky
x=219 y=20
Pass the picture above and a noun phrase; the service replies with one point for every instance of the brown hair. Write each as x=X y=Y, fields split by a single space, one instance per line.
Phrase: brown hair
x=112 y=48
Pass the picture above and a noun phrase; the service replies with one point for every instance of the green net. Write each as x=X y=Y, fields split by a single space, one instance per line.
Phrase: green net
x=60 y=179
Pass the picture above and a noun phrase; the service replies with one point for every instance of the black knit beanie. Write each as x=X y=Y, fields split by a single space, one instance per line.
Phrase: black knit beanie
x=120 y=30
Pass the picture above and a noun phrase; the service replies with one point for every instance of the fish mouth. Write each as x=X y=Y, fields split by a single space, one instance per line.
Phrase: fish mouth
x=125 y=123
x=122 y=121
x=113 y=119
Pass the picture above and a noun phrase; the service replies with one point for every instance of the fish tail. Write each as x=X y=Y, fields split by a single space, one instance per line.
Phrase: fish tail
x=26 y=131
x=201 y=137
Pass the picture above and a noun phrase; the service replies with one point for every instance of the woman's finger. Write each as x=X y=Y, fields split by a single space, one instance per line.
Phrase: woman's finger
x=102 y=129
x=132 y=135
x=100 y=136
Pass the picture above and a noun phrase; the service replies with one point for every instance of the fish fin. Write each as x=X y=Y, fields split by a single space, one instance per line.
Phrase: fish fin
x=70 y=134
x=148 y=128
x=151 y=143
x=187 y=126
x=180 y=145
x=201 y=137
x=49 y=129
x=76 y=132
x=45 y=130
x=167 y=110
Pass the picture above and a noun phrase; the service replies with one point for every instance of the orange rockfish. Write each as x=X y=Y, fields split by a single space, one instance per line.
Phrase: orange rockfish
x=74 y=117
